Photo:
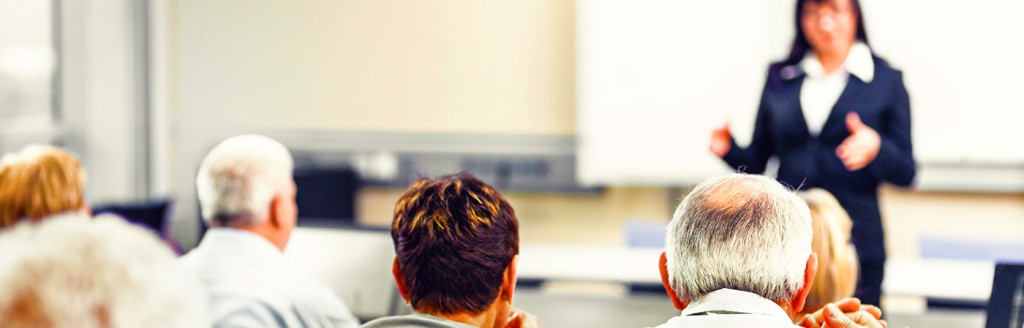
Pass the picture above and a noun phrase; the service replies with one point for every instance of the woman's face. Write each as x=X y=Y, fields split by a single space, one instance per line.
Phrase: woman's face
x=830 y=26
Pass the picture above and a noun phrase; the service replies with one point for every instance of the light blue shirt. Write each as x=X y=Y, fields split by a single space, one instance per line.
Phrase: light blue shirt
x=731 y=308
x=250 y=284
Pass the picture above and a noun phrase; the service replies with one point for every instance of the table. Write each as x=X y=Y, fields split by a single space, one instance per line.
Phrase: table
x=958 y=280
x=589 y=263
x=963 y=280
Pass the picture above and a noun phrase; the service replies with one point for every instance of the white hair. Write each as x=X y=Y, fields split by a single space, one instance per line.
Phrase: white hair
x=70 y=271
x=739 y=231
x=239 y=178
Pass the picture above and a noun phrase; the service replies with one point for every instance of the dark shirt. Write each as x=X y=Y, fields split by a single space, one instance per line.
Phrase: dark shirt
x=809 y=161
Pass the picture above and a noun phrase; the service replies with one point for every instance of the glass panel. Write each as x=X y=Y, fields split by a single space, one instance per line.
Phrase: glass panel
x=27 y=64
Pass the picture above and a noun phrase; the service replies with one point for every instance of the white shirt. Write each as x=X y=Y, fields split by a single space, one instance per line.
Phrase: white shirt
x=820 y=91
x=731 y=308
x=250 y=284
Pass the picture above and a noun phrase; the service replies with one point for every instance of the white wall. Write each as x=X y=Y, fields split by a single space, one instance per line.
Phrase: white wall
x=653 y=73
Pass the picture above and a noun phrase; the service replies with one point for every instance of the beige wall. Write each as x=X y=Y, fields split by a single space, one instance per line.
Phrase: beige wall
x=405 y=66
x=501 y=67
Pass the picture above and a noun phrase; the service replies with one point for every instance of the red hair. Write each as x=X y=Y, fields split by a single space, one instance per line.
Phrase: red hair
x=37 y=182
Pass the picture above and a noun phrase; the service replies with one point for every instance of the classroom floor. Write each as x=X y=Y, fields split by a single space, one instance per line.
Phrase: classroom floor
x=557 y=309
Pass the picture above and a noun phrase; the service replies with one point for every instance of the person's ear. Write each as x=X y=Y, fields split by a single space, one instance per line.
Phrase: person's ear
x=810 y=270
x=508 y=283
x=274 y=212
x=399 y=281
x=663 y=269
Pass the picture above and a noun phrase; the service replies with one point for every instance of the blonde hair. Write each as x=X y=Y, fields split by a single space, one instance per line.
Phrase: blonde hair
x=37 y=182
x=837 y=259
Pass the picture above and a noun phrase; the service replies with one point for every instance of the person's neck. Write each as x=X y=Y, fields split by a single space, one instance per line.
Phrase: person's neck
x=788 y=307
x=800 y=315
x=831 y=62
x=485 y=319
x=264 y=231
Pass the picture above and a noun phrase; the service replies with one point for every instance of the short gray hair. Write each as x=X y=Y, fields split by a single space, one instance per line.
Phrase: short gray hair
x=739 y=231
x=73 y=271
x=239 y=177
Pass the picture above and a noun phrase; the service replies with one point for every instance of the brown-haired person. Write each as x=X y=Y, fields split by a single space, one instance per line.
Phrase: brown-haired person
x=837 y=259
x=456 y=243
x=38 y=182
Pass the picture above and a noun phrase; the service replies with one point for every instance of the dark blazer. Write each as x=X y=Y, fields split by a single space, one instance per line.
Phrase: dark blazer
x=807 y=161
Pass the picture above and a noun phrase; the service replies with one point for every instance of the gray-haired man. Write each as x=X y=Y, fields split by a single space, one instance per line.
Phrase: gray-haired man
x=247 y=195
x=738 y=254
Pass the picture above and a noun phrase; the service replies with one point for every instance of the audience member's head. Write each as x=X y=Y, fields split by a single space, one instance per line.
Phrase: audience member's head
x=245 y=182
x=38 y=182
x=70 y=271
x=456 y=240
x=740 y=232
x=837 y=259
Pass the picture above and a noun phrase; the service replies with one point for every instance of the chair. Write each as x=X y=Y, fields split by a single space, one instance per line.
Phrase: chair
x=327 y=193
x=149 y=214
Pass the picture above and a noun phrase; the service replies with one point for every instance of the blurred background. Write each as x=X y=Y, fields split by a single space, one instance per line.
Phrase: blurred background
x=583 y=113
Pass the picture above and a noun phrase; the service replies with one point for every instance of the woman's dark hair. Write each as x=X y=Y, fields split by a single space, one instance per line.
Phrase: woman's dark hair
x=800 y=44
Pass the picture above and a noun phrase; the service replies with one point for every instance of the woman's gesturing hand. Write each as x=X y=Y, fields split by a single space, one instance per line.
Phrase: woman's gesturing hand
x=721 y=140
x=861 y=147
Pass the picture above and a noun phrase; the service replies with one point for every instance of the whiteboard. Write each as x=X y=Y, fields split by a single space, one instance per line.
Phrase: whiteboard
x=654 y=77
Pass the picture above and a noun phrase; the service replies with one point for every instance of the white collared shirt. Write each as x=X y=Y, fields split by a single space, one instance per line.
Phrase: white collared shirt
x=250 y=284
x=821 y=91
x=731 y=308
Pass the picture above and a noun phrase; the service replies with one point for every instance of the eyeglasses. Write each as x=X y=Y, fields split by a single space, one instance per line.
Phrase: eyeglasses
x=831 y=14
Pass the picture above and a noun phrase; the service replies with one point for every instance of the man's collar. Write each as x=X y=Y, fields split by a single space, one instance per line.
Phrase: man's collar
x=727 y=301
x=447 y=321
x=225 y=237
x=858 y=62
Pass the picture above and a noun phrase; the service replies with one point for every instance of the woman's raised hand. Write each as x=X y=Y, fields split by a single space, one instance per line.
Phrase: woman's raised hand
x=721 y=140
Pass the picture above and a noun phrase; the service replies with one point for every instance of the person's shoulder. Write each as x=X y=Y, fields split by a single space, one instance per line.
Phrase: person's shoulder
x=248 y=311
x=309 y=289
x=884 y=71
x=191 y=262
x=780 y=73
x=731 y=320
x=317 y=297
x=775 y=70
x=210 y=261
x=412 y=321
x=682 y=321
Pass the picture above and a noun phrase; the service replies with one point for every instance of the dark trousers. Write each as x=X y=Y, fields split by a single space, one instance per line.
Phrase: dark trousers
x=869 y=286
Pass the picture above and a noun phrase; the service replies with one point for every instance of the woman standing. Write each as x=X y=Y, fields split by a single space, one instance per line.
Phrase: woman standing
x=838 y=118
